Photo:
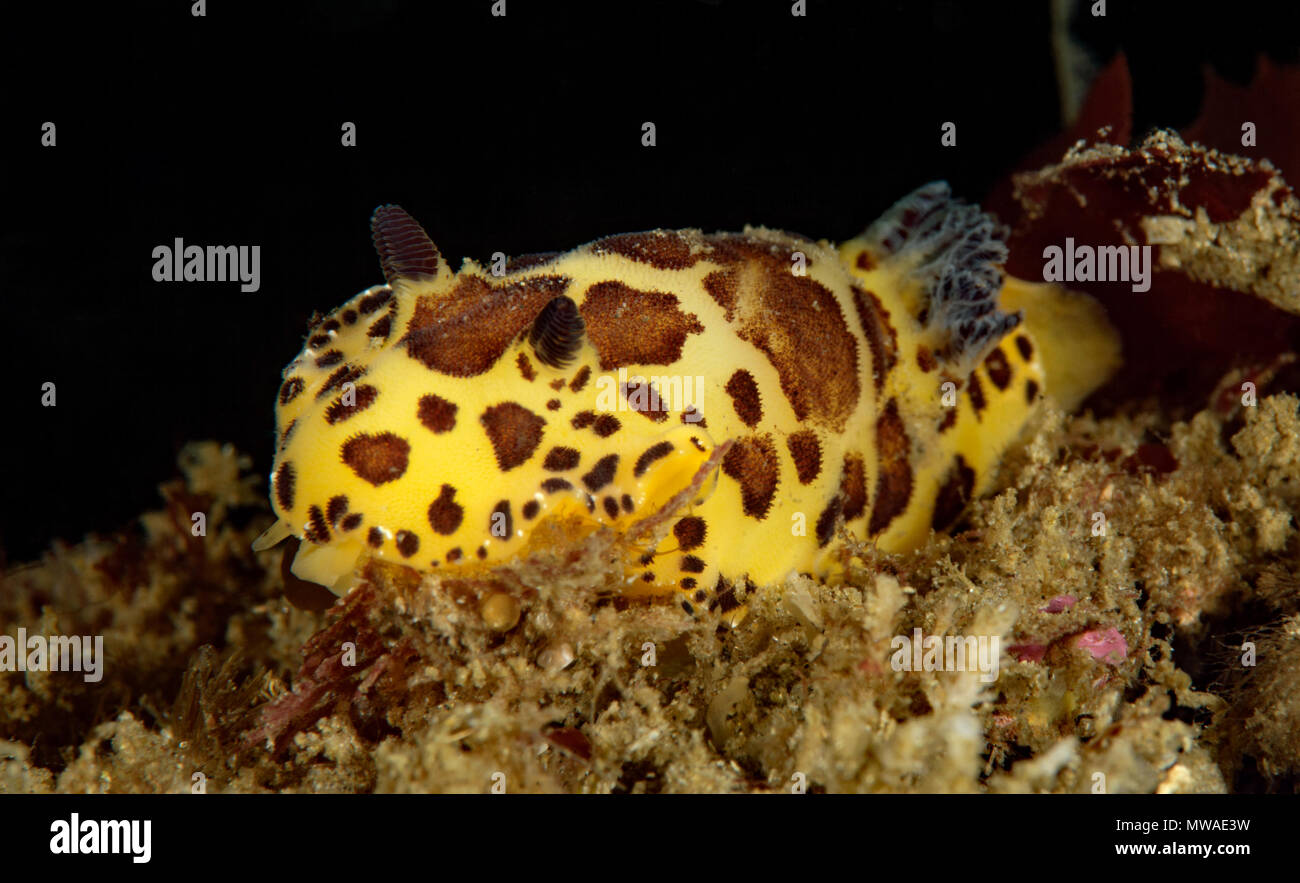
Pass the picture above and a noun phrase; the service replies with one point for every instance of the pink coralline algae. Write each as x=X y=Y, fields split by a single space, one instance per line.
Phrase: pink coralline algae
x=1028 y=652
x=1059 y=603
x=1107 y=645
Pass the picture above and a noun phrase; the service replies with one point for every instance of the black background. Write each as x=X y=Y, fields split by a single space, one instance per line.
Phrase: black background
x=520 y=134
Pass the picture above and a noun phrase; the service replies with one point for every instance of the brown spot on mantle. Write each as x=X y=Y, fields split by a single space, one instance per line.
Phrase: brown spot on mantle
x=464 y=331
x=894 y=482
x=628 y=326
x=753 y=463
x=515 y=433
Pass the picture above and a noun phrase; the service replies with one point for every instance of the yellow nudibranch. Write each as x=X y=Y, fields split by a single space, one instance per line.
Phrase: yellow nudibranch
x=722 y=402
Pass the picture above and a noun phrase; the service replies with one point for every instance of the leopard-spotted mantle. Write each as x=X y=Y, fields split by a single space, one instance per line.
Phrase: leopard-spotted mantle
x=436 y=420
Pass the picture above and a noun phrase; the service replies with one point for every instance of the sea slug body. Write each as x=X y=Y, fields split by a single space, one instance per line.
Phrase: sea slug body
x=725 y=402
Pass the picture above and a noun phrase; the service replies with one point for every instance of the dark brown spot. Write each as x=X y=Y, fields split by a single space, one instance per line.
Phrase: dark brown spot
x=650 y=455
x=632 y=327
x=481 y=552
x=864 y=261
x=331 y=325
x=557 y=384
x=553 y=405
x=894 y=482
x=561 y=459
x=350 y=521
x=753 y=463
x=336 y=508
x=316 y=530
x=318 y=340
x=663 y=249
x=949 y=420
x=828 y=519
x=879 y=332
x=375 y=538
x=976 y=391
x=806 y=451
x=731 y=248
x=377 y=458
x=553 y=485
x=288 y=431
x=690 y=532
x=686 y=605
x=515 y=433
x=925 y=359
x=1026 y=348
x=853 y=486
x=744 y=396
x=692 y=564
x=526 y=369
x=363 y=397
x=530 y=509
x=1031 y=391
x=628 y=505
x=436 y=413
x=644 y=399
x=463 y=332
x=602 y=473
x=999 y=370
x=606 y=425
x=382 y=327
x=583 y=419
x=648 y=576
x=721 y=285
x=611 y=506
x=688 y=583
x=455 y=555
x=724 y=596
x=528 y=261
x=580 y=379
x=648 y=558
x=329 y=359
x=349 y=317
x=290 y=390
x=502 y=517
x=407 y=543
x=374 y=301
x=284 y=483
x=953 y=495
x=345 y=374
x=445 y=514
